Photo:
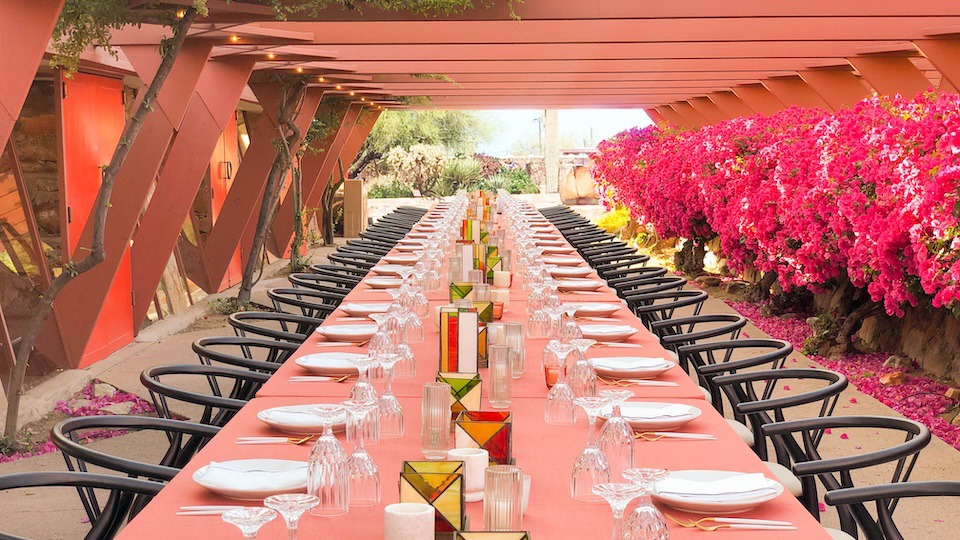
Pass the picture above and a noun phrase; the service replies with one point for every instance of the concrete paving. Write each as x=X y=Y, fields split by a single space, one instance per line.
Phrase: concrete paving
x=62 y=512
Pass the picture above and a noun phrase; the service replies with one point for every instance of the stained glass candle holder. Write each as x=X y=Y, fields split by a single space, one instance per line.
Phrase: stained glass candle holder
x=489 y=430
x=439 y=484
x=490 y=535
x=465 y=390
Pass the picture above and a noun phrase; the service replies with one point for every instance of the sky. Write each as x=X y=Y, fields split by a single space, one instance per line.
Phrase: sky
x=517 y=129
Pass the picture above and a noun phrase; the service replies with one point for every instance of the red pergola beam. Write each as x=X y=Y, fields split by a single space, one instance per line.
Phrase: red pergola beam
x=891 y=74
x=795 y=91
x=945 y=56
x=758 y=98
x=708 y=109
x=838 y=86
x=730 y=104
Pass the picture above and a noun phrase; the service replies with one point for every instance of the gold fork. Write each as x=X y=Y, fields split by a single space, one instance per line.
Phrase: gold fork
x=732 y=523
x=614 y=382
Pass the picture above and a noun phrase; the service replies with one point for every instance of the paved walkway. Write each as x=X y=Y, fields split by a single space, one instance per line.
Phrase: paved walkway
x=919 y=518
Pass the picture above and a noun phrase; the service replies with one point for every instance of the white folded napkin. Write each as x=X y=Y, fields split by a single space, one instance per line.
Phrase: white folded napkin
x=292 y=417
x=739 y=487
x=639 y=362
x=249 y=477
x=637 y=411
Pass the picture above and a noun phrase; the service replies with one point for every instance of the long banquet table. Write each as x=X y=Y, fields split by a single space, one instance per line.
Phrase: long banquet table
x=543 y=451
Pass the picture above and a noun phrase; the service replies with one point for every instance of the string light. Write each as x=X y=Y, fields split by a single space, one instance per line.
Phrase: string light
x=235 y=38
x=339 y=87
x=321 y=79
x=271 y=56
x=181 y=13
x=363 y=99
x=299 y=69
x=352 y=93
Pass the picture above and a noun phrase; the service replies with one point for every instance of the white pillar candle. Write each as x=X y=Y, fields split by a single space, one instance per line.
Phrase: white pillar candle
x=475 y=461
x=408 y=521
x=525 y=498
x=500 y=295
x=501 y=279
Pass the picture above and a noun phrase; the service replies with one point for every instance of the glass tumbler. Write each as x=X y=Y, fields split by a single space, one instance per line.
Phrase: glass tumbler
x=514 y=339
x=503 y=498
x=436 y=421
x=501 y=377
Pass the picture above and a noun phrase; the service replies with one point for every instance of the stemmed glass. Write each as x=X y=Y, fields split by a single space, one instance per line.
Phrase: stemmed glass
x=582 y=377
x=364 y=392
x=559 y=409
x=391 y=412
x=591 y=467
x=616 y=437
x=645 y=522
x=619 y=496
x=291 y=506
x=249 y=519
x=328 y=473
x=364 y=474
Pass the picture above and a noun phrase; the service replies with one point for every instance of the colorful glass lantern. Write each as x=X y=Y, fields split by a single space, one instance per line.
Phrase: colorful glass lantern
x=490 y=535
x=439 y=484
x=489 y=430
x=465 y=390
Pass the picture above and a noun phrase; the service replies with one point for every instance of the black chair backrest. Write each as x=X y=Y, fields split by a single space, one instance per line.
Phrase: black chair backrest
x=264 y=355
x=288 y=327
x=885 y=497
x=219 y=406
x=105 y=519
x=836 y=473
x=717 y=357
x=679 y=331
x=660 y=306
x=323 y=282
x=307 y=302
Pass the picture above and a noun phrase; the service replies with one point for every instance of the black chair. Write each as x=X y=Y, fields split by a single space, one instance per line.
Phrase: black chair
x=219 y=406
x=323 y=282
x=677 y=332
x=338 y=271
x=660 y=306
x=885 y=496
x=105 y=519
x=647 y=285
x=307 y=302
x=349 y=261
x=716 y=358
x=836 y=473
x=288 y=327
x=263 y=355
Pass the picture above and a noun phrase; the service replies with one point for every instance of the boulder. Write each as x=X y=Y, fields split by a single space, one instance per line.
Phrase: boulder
x=894 y=378
x=899 y=362
x=708 y=281
x=124 y=407
x=102 y=389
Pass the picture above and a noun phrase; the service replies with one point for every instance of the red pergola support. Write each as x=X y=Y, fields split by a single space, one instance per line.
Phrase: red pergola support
x=654 y=116
x=315 y=178
x=729 y=103
x=671 y=116
x=944 y=54
x=758 y=98
x=237 y=218
x=837 y=85
x=694 y=118
x=213 y=104
x=133 y=185
x=793 y=90
x=890 y=75
x=25 y=30
x=708 y=109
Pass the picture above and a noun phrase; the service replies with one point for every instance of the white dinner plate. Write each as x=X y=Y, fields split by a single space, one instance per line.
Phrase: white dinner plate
x=331 y=364
x=408 y=259
x=348 y=332
x=556 y=250
x=729 y=504
x=570 y=271
x=607 y=332
x=299 y=419
x=562 y=260
x=424 y=235
x=630 y=367
x=253 y=479
x=384 y=282
x=544 y=243
x=389 y=269
x=596 y=309
x=409 y=248
x=363 y=310
x=650 y=416
x=567 y=285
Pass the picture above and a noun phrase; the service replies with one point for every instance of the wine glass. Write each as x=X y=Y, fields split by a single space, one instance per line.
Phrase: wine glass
x=538 y=326
x=616 y=437
x=391 y=412
x=249 y=519
x=582 y=377
x=591 y=467
x=364 y=474
x=328 y=474
x=569 y=330
x=619 y=496
x=291 y=506
x=559 y=409
x=645 y=522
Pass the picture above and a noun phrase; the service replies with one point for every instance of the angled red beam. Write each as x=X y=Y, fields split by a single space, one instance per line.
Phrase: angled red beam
x=693 y=117
x=25 y=29
x=133 y=184
x=654 y=115
x=946 y=86
x=316 y=167
x=758 y=98
x=362 y=128
x=795 y=91
x=944 y=53
x=890 y=75
x=692 y=28
x=729 y=103
x=838 y=86
x=237 y=217
x=211 y=107
x=708 y=109
x=672 y=117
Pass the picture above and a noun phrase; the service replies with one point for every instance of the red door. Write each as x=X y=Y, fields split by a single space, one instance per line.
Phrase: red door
x=223 y=165
x=92 y=118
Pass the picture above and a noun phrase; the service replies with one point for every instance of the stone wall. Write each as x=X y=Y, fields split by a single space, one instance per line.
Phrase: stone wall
x=928 y=335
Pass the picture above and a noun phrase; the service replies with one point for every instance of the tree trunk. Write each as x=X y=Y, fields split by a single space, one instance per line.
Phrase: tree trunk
x=97 y=254
x=297 y=263
x=290 y=103
x=327 y=222
x=760 y=290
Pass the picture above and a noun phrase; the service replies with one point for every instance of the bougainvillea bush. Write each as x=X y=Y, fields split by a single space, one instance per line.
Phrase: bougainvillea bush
x=870 y=193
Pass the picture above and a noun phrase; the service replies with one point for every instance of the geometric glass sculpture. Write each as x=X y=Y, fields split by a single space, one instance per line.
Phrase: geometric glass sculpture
x=489 y=430
x=465 y=390
x=485 y=535
x=460 y=290
x=439 y=484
